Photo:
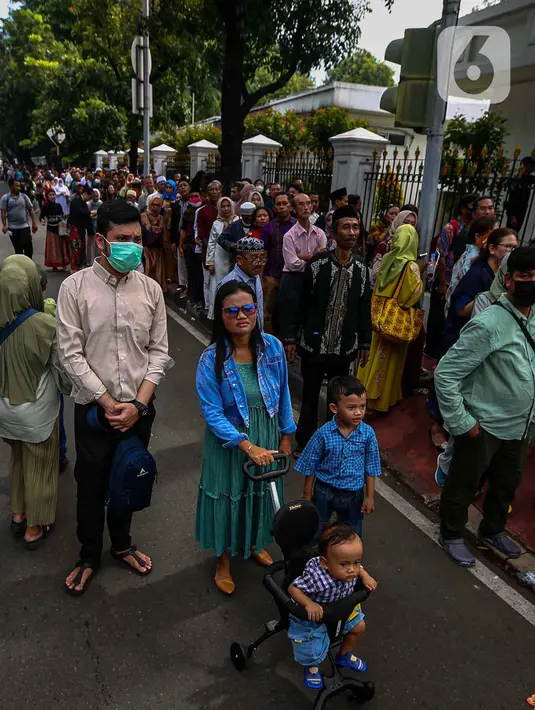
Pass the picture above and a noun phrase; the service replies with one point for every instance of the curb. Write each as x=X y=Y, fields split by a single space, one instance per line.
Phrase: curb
x=516 y=568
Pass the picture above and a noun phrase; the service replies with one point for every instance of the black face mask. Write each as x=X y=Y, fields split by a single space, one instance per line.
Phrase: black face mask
x=524 y=295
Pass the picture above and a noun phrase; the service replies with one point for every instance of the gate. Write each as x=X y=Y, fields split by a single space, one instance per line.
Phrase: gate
x=393 y=181
x=315 y=169
x=179 y=163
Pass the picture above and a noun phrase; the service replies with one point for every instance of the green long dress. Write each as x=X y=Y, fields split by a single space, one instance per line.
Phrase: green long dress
x=233 y=513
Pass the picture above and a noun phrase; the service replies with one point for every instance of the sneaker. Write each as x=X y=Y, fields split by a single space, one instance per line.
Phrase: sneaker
x=458 y=551
x=313 y=678
x=440 y=477
x=502 y=543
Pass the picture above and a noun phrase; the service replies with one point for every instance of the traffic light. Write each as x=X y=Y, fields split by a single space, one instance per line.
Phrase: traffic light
x=413 y=98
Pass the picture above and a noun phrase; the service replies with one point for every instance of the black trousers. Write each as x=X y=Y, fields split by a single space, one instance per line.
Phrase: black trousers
x=94 y=456
x=313 y=374
x=195 y=276
x=22 y=241
x=501 y=462
x=289 y=303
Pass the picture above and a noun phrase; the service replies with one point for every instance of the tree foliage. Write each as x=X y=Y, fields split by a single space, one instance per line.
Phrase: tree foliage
x=287 y=129
x=362 y=67
x=296 y=84
x=328 y=122
x=487 y=132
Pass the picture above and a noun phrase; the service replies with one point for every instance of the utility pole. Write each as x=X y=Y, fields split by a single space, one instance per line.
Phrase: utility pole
x=146 y=88
x=435 y=140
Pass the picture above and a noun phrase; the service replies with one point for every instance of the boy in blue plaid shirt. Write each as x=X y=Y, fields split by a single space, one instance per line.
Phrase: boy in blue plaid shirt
x=342 y=458
x=325 y=579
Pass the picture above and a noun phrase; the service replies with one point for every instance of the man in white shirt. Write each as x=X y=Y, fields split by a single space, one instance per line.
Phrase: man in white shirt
x=112 y=344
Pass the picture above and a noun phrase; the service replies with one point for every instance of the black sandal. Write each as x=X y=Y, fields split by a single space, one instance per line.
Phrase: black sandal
x=121 y=557
x=18 y=529
x=33 y=545
x=77 y=580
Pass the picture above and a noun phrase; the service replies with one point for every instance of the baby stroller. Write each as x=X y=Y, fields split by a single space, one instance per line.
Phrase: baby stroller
x=294 y=528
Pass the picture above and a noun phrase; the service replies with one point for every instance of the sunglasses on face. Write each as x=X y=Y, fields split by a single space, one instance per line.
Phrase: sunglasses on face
x=249 y=309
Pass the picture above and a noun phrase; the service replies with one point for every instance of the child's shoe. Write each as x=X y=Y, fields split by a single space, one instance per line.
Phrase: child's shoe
x=348 y=660
x=313 y=678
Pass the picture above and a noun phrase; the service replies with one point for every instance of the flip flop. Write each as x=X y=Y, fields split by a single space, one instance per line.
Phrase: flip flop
x=76 y=581
x=350 y=661
x=121 y=557
x=18 y=529
x=313 y=678
x=36 y=544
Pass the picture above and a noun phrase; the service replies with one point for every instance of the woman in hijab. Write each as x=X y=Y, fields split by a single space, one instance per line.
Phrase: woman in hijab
x=56 y=252
x=404 y=217
x=29 y=400
x=169 y=249
x=381 y=229
x=62 y=196
x=383 y=373
x=257 y=199
x=245 y=195
x=91 y=247
x=217 y=259
x=152 y=223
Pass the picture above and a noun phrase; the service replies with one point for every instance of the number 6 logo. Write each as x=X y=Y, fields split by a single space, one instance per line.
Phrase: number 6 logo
x=474 y=63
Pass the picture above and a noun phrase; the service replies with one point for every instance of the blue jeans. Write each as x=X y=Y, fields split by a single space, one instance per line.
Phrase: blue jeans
x=346 y=504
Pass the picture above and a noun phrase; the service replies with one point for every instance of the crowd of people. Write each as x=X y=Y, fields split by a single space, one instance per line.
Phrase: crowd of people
x=278 y=278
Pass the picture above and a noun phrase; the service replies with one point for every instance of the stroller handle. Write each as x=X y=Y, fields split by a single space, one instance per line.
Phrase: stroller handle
x=269 y=475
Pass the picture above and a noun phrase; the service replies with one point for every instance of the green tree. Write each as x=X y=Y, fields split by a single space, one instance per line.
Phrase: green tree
x=285 y=38
x=285 y=128
x=296 y=84
x=362 y=67
x=326 y=123
x=489 y=131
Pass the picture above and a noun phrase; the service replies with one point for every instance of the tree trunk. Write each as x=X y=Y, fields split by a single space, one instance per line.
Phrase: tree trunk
x=232 y=114
x=133 y=156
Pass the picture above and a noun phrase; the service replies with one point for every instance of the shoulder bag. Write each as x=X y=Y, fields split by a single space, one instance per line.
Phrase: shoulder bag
x=394 y=322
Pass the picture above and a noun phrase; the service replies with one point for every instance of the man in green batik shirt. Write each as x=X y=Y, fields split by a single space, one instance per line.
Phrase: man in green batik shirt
x=485 y=386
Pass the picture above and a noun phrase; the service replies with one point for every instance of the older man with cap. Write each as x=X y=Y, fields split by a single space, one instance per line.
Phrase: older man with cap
x=335 y=317
x=160 y=184
x=250 y=258
x=237 y=230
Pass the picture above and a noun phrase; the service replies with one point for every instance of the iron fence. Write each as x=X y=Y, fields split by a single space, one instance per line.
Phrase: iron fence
x=179 y=163
x=398 y=181
x=213 y=162
x=315 y=169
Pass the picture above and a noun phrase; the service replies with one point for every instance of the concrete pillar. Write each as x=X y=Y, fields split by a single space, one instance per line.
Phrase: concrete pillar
x=161 y=155
x=253 y=152
x=113 y=160
x=199 y=153
x=99 y=157
x=353 y=151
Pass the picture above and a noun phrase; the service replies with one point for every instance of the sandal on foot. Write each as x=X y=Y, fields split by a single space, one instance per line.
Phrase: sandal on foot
x=262 y=558
x=83 y=566
x=121 y=557
x=313 y=678
x=225 y=584
x=348 y=660
x=18 y=528
x=33 y=545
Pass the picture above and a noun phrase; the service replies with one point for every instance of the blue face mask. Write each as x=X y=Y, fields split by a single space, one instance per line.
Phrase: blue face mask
x=124 y=256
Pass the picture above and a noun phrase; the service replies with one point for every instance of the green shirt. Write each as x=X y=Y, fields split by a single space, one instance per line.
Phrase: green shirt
x=488 y=376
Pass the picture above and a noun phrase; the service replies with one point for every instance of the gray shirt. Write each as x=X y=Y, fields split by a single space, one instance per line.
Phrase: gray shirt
x=17 y=210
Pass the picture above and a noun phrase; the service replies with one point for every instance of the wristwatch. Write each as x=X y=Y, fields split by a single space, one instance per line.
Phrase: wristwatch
x=141 y=408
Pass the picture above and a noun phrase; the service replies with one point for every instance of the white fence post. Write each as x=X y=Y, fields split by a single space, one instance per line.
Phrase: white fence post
x=353 y=157
x=199 y=153
x=253 y=152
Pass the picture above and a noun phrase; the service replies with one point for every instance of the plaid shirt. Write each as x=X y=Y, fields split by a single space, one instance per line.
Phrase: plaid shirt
x=339 y=461
x=318 y=584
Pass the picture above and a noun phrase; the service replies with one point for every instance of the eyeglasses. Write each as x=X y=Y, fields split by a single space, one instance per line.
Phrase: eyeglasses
x=249 y=309
x=255 y=260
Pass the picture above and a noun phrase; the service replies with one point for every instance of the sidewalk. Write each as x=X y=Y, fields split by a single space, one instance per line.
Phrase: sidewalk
x=407 y=451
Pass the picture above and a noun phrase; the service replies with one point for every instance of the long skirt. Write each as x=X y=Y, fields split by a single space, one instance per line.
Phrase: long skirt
x=233 y=513
x=154 y=265
x=382 y=375
x=56 y=251
x=76 y=247
x=34 y=478
x=169 y=250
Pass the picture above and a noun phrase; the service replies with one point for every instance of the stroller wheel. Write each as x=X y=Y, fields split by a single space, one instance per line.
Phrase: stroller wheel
x=364 y=694
x=239 y=655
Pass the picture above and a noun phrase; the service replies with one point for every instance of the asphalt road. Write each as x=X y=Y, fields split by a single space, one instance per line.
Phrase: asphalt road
x=437 y=637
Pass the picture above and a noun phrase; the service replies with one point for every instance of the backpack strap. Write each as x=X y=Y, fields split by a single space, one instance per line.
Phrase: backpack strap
x=521 y=325
x=6 y=331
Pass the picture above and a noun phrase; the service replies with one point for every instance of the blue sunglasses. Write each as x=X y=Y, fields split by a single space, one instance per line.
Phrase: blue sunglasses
x=248 y=309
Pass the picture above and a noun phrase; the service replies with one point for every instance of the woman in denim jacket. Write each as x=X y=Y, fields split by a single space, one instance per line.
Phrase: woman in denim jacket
x=242 y=383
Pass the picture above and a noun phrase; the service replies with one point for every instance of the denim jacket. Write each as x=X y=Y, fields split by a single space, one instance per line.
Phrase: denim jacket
x=224 y=404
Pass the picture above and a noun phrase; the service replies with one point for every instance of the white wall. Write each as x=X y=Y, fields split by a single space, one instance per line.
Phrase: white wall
x=519 y=109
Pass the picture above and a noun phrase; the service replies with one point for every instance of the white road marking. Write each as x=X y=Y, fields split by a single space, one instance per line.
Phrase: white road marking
x=481 y=572
x=192 y=330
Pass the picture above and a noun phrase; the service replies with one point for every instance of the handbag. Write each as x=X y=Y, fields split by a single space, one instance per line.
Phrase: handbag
x=394 y=322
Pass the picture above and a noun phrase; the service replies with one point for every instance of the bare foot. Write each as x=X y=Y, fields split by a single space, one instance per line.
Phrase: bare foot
x=72 y=576
x=131 y=560
x=18 y=518
x=33 y=533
